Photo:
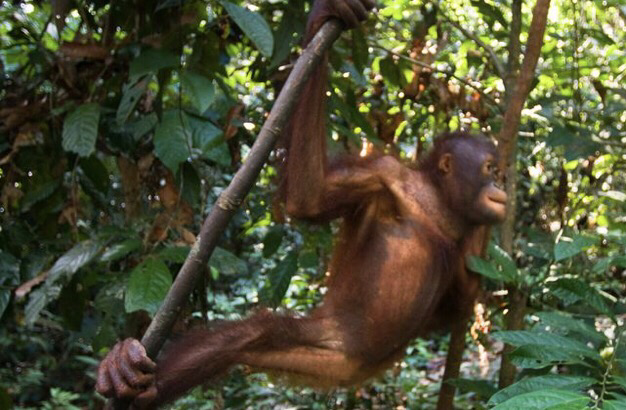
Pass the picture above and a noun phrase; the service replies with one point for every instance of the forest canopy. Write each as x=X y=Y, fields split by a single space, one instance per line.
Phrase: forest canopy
x=121 y=123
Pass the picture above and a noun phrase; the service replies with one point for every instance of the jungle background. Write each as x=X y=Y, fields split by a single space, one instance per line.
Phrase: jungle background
x=122 y=121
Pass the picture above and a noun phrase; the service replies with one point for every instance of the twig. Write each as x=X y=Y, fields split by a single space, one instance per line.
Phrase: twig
x=446 y=72
x=497 y=63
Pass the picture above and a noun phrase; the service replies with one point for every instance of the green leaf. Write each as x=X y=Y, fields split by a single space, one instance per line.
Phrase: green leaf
x=504 y=261
x=391 y=71
x=287 y=36
x=272 y=240
x=38 y=300
x=172 y=140
x=190 y=185
x=615 y=195
x=486 y=268
x=279 y=279
x=175 y=254
x=539 y=357
x=355 y=117
x=97 y=173
x=576 y=141
x=120 y=250
x=545 y=399
x=490 y=12
x=551 y=381
x=482 y=388
x=131 y=96
x=9 y=277
x=38 y=191
x=147 y=286
x=80 y=130
x=543 y=339
x=5 y=399
x=166 y=4
x=151 y=61
x=572 y=290
x=255 y=27
x=554 y=320
x=613 y=405
x=74 y=259
x=63 y=269
x=360 y=52
x=620 y=381
x=568 y=247
x=199 y=88
x=308 y=259
x=143 y=125
x=206 y=137
x=227 y=263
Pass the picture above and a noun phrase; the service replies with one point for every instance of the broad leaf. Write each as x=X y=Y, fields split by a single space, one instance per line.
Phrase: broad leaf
x=286 y=37
x=490 y=12
x=550 y=381
x=572 y=290
x=147 y=286
x=151 y=61
x=172 y=140
x=255 y=27
x=538 y=357
x=272 y=240
x=174 y=254
x=37 y=301
x=80 y=130
x=576 y=141
x=143 y=125
x=482 y=388
x=279 y=279
x=504 y=260
x=525 y=337
x=120 y=250
x=131 y=96
x=63 y=269
x=9 y=278
x=199 y=88
x=206 y=137
x=166 y=4
x=555 y=320
x=486 y=268
x=568 y=247
x=38 y=191
x=545 y=399
x=613 y=405
x=227 y=263
x=74 y=259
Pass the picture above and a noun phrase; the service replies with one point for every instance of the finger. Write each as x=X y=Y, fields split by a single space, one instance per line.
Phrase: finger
x=369 y=4
x=346 y=15
x=145 y=399
x=357 y=9
x=132 y=352
x=138 y=357
x=122 y=389
x=133 y=376
x=103 y=383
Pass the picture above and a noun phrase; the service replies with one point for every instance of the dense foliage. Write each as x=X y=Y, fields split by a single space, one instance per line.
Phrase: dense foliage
x=122 y=121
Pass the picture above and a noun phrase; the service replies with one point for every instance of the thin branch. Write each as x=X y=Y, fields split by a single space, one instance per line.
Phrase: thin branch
x=230 y=199
x=512 y=117
x=507 y=138
x=515 y=48
x=446 y=72
x=493 y=57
